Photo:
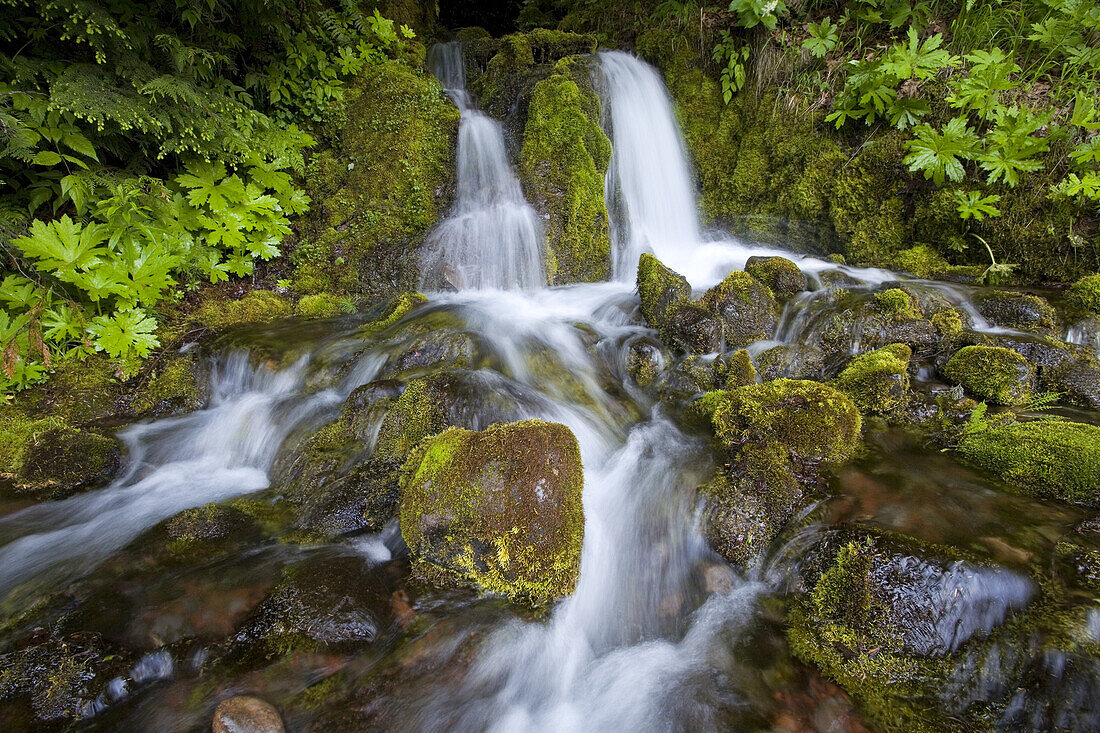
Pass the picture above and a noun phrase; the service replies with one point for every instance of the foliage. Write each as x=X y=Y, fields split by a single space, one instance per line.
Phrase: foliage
x=733 y=58
x=823 y=38
x=751 y=13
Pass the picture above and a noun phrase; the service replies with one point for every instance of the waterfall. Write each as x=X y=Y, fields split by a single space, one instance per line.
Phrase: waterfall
x=649 y=183
x=491 y=238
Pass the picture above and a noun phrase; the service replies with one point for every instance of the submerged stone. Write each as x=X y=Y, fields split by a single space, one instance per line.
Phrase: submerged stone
x=645 y=361
x=246 y=714
x=499 y=509
x=992 y=373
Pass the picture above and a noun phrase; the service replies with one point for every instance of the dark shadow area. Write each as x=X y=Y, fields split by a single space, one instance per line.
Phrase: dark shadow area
x=498 y=18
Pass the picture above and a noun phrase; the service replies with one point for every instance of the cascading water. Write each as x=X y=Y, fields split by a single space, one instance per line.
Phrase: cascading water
x=491 y=238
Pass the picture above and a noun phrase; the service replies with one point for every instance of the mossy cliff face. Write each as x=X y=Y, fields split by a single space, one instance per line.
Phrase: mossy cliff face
x=499 y=509
x=564 y=158
x=380 y=189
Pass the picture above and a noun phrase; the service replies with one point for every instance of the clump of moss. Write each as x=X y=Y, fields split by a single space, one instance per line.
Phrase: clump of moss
x=778 y=273
x=1085 y=293
x=499 y=509
x=16 y=431
x=878 y=382
x=814 y=421
x=58 y=462
x=324 y=305
x=659 y=288
x=417 y=413
x=734 y=370
x=898 y=304
x=1046 y=457
x=173 y=386
x=258 y=306
x=948 y=323
x=564 y=157
x=921 y=261
x=396 y=309
x=746 y=306
x=992 y=373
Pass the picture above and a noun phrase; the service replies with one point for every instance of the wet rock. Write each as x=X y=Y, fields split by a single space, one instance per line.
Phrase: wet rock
x=645 y=361
x=1077 y=379
x=173 y=387
x=692 y=376
x=790 y=361
x=878 y=382
x=692 y=329
x=778 y=273
x=746 y=306
x=1020 y=311
x=395 y=309
x=733 y=370
x=1058 y=459
x=206 y=530
x=1042 y=352
x=658 y=288
x=992 y=373
x=420 y=411
x=499 y=509
x=363 y=499
x=433 y=351
x=245 y=714
x=63 y=461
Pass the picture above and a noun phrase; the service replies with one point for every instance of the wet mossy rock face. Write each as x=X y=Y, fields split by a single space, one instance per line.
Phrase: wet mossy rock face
x=658 y=289
x=992 y=373
x=563 y=161
x=379 y=190
x=878 y=382
x=257 y=306
x=778 y=273
x=1055 y=459
x=1085 y=294
x=498 y=509
x=1020 y=311
x=45 y=458
x=745 y=305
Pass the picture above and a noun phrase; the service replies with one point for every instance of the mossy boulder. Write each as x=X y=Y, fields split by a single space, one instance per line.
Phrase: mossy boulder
x=878 y=381
x=1085 y=294
x=324 y=305
x=257 y=306
x=733 y=370
x=746 y=306
x=563 y=161
x=432 y=351
x=1076 y=379
x=814 y=421
x=1020 y=311
x=948 y=323
x=61 y=461
x=778 y=273
x=200 y=532
x=992 y=373
x=1056 y=459
x=420 y=411
x=898 y=304
x=499 y=509
x=791 y=361
x=658 y=289
x=645 y=361
x=395 y=309
x=690 y=328
x=380 y=187
x=921 y=261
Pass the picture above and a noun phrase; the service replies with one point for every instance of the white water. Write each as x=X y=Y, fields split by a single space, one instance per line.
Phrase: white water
x=491 y=238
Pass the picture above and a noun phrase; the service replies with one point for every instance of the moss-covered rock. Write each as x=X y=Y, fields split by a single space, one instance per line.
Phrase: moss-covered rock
x=778 y=273
x=499 y=509
x=746 y=306
x=379 y=190
x=395 y=309
x=1076 y=379
x=690 y=328
x=948 y=323
x=898 y=304
x=198 y=533
x=814 y=421
x=61 y=461
x=733 y=370
x=1021 y=311
x=420 y=411
x=1085 y=293
x=563 y=161
x=992 y=373
x=878 y=381
x=921 y=261
x=324 y=305
x=257 y=306
x=173 y=386
x=645 y=361
x=1049 y=458
x=658 y=289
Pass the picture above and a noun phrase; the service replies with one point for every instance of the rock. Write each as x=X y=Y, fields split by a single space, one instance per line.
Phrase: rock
x=499 y=509
x=746 y=306
x=420 y=411
x=878 y=382
x=645 y=361
x=246 y=714
x=1042 y=352
x=790 y=361
x=257 y=306
x=1019 y=311
x=658 y=288
x=173 y=388
x=1085 y=294
x=1077 y=379
x=324 y=305
x=363 y=499
x=778 y=273
x=692 y=329
x=733 y=370
x=397 y=308
x=429 y=352
x=898 y=304
x=948 y=323
x=1058 y=459
x=206 y=530
x=691 y=376
x=815 y=422
x=63 y=461
x=992 y=373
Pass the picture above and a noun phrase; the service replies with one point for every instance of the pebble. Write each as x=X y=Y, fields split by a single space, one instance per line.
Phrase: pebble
x=244 y=714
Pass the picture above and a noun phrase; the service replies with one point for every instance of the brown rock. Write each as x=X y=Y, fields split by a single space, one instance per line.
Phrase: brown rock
x=244 y=714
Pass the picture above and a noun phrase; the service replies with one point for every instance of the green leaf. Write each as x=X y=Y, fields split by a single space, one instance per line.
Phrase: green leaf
x=939 y=155
x=973 y=205
x=46 y=158
x=125 y=334
x=63 y=244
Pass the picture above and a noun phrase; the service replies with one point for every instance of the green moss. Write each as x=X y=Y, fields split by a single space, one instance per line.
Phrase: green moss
x=1085 y=293
x=992 y=373
x=258 y=306
x=814 y=421
x=778 y=273
x=58 y=462
x=746 y=305
x=948 y=323
x=878 y=382
x=416 y=414
x=733 y=371
x=324 y=305
x=1021 y=311
x=172 y=385
x=396 y=309
x=658 y=289
x=500 y=508
x=17 y=430
x=921 y=261
x=1049 y=458
x=381 y=188
x=564 y=158
x=898 y=304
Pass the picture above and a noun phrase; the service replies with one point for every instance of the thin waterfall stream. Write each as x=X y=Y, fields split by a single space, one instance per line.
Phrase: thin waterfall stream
x=660 y=633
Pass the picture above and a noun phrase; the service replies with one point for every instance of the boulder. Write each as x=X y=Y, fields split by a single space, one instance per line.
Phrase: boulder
x=246 y=714
x=746 y=306
x=658 y=288
x=992 y=373
x=1019 y=311
x=878 y=382
x=778 y=273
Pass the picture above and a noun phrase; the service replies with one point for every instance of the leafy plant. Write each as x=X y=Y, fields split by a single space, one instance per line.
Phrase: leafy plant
x=824 y=37
x=972 y=205
x=751 y=13
x=734 y=58
x=939 y=154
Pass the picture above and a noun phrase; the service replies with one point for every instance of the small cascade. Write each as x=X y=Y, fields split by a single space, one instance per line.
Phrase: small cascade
x=649 y=185
x=491 y=238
